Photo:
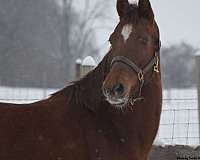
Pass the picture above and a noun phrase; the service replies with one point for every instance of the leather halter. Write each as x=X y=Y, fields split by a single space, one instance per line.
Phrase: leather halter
x=152 y=65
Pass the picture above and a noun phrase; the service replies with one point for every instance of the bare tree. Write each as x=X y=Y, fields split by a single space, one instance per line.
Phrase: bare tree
x=28 y=39
x=77 y=31
x=91 y=14
x=40 y=38
x=178 y=66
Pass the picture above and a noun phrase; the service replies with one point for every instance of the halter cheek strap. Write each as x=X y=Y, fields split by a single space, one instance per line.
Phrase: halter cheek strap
x=141 y=72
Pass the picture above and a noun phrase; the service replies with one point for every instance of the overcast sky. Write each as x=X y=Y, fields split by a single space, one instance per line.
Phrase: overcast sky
x=178 y=20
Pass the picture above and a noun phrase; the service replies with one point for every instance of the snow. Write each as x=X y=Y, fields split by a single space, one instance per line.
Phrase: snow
x=179 y=119
x=78 y=61
x=89 y=61
x=24 y=95
x=133 y=2
x=159 y=142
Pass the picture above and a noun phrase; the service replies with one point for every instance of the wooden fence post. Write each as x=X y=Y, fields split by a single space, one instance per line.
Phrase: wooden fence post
x=197 y=59
x=88 y=64
x=78 y=68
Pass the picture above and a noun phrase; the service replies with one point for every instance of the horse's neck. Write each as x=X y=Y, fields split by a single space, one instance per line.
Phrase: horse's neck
x=90 y=87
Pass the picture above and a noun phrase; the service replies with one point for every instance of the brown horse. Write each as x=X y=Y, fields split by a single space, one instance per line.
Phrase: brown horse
x=111 y=114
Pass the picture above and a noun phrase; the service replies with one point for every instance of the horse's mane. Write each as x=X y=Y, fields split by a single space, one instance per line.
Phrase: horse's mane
x=87 y=90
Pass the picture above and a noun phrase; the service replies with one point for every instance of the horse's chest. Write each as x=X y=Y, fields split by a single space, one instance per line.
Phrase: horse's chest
x=104 y=143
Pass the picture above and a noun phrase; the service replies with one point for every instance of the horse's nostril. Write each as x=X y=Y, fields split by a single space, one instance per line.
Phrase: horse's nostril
x=118 y=89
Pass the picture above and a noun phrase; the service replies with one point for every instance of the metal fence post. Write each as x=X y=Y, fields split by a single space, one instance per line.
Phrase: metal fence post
x=197 y=59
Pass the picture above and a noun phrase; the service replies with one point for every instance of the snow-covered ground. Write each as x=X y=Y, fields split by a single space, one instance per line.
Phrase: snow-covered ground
x=24 y=95
x=179 y=119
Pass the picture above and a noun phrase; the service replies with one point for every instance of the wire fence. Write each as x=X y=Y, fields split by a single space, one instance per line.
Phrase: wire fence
x=179 y=119
x=179 y=122
x=24 y=95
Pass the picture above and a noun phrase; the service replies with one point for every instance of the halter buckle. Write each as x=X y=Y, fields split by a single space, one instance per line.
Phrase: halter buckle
x=141 y=76
x=156 y=66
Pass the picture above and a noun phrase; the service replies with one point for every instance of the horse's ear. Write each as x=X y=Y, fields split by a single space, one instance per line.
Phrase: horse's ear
x=122 y=7
x=145 y=9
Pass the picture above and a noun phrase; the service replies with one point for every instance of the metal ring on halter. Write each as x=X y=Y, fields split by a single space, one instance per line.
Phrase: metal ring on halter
x=141 y=75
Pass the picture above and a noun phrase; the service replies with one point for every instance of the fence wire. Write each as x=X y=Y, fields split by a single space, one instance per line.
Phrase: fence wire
x=180 y=122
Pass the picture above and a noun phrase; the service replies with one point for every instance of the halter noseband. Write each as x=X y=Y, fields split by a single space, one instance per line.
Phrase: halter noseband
x=141 y=72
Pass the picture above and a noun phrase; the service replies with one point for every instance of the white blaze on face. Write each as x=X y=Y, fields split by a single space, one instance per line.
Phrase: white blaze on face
x=133 y=2
x=126 y=31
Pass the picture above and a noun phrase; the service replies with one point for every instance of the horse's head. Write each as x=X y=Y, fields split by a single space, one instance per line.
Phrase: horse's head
x=134 y=53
